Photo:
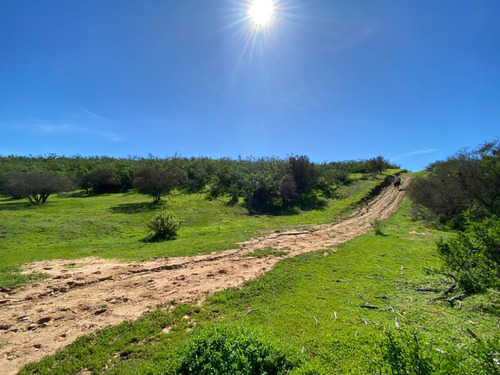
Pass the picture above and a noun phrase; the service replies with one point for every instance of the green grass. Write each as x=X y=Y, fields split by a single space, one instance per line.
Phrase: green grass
x=266 y=251
x=312 y=303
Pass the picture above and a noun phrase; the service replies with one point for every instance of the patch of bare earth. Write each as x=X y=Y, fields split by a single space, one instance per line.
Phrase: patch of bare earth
x=86 y=295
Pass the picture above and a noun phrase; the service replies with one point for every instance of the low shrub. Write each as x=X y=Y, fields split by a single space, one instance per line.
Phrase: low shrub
x=163 y=226
x=377 y=226
x=407 y=353
x=233 y=350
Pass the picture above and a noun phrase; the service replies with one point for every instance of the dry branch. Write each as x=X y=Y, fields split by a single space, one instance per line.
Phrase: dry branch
x=472 y=334
x=369 y=307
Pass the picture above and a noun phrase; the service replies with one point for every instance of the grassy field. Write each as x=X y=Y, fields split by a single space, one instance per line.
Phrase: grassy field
x=114 y=226
x=311 y=304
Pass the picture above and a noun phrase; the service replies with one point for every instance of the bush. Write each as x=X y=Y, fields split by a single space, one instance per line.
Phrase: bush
x=163 y=226
x=473 y=256
x=407 y=354
x=233 y=350
x=377 y=226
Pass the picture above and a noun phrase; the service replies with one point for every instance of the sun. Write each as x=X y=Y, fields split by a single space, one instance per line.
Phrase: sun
x=261 y=12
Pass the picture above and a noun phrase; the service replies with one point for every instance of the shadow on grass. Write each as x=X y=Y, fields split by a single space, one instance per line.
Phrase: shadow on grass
x=156 y=238
x=16 y=205
x=134 y=208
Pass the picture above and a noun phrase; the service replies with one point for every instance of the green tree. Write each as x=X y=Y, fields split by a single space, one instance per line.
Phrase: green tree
x=36 y=186
x=155 y=182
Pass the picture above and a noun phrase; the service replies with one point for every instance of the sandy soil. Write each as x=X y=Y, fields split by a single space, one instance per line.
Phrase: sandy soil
x=85 y=295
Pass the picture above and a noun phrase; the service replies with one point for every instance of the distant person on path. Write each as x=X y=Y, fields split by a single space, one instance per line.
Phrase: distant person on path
x=397 y=182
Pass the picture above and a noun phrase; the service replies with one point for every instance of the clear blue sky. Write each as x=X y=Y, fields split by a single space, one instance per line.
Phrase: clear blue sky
x=413 y=81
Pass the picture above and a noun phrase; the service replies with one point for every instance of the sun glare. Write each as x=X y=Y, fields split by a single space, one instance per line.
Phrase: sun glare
x=261 y=12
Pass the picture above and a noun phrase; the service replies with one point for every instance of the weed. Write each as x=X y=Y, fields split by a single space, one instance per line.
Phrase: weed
x=377 y=225
x=267 y=251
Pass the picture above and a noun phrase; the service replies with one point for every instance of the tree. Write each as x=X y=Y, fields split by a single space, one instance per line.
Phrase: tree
x=288 y=188
x=155 y=181
x=377 y=164
x=303 y=172
x=36 y=186
x=103 y=181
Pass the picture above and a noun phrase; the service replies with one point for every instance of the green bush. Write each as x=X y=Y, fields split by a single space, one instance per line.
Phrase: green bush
x=163 y=226
x=406 y=353
x=233 y=350
x=473 y=256
x=377 y=226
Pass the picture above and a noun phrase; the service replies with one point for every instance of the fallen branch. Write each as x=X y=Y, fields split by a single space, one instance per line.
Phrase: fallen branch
x=316 y=320
x=335 y=314
x=450 y=289
x=369 y=307
x=472 y=334
x=457 y=298
x=426 y=289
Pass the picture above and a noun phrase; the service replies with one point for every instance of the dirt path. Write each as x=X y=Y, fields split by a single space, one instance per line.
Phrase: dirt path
x=85 y=295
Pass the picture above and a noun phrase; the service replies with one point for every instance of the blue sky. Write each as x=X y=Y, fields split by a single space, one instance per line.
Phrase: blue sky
x=413 y=81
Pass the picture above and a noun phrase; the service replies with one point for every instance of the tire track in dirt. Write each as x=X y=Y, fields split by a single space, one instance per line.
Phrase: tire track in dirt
x=85 y=295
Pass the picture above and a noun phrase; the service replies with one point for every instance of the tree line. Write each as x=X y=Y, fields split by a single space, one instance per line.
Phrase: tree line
x=263 y=183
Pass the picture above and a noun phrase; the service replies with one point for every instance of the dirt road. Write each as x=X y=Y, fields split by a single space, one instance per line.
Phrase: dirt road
x=85 y=295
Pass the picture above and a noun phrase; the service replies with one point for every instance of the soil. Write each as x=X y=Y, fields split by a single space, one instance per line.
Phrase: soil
x=85 y=295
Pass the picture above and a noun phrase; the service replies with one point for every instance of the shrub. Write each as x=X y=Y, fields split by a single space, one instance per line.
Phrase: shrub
x=233 y=350
x=163 y=226
x=407 y=354
x=377 y=226
x=473 y=256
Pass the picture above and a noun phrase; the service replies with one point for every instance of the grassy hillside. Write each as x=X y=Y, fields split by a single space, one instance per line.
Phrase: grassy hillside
x=114 y=225
x=311 y=305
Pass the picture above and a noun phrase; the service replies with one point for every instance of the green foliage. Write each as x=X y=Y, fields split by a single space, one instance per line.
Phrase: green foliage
x=101 y=181
x=304 y=173
x=473 y=256
x=163 y=226
x=406 y=353
x=155 y=181
x=377 y=225
x=487 y=355
x=228 y=349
